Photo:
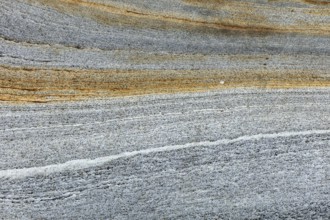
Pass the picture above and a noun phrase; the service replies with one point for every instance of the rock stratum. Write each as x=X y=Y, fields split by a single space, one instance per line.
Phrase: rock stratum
x=175 y=109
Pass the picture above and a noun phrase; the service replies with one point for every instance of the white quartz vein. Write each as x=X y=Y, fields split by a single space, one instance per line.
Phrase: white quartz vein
x=88 y=163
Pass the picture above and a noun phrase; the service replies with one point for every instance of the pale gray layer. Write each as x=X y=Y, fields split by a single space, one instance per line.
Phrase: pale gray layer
x=270 y=178
x=61 y=40
x=236 y=154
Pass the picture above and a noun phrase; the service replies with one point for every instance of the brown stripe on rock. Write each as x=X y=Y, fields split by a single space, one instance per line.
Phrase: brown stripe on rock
x=247 y=17
x=317 y=2
x=46 y=85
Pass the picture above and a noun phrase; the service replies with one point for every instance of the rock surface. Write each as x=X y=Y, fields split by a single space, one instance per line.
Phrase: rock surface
x=175 y=109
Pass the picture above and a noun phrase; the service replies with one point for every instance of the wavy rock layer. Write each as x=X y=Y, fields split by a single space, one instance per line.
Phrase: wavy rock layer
x=183 y=109
x=232 y=155
x=141 y=47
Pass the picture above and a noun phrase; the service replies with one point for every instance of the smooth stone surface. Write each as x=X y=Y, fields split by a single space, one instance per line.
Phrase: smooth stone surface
x=81 y=49
x=234 y=154
x=168 y=109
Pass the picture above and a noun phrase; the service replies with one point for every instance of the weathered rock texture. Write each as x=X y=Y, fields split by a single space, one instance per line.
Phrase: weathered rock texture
x=169 y=109
x=75 y=49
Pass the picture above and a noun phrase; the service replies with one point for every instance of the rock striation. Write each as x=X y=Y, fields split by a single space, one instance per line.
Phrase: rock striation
x=169 y=109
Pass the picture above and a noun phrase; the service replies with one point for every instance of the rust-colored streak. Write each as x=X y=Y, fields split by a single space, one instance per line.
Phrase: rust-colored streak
x=316 y=2
x=207 y=2
x=227 y=2
x=244 y=18
x=48 y=85
x=111 y=15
